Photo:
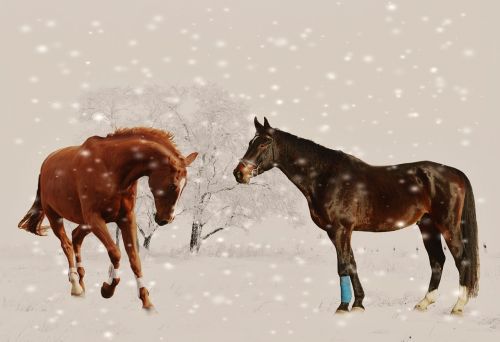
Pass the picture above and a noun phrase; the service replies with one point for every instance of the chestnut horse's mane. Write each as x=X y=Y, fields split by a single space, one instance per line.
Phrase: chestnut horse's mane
x=163 y=137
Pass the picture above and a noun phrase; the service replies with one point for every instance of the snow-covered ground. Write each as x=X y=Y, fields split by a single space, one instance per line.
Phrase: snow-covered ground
x=238 y=289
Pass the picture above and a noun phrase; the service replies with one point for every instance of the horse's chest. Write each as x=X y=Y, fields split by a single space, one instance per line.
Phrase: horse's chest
x=111 y=210
x=117 y=207
x=317 y=219
x=317 y=215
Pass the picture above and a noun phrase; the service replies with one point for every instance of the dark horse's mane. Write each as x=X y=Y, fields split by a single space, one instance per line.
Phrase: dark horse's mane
x=316 y=154
x=163 y=137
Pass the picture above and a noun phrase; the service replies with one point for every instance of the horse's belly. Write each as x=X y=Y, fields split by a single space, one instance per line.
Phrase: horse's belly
x=111 y=210
x=388 y=221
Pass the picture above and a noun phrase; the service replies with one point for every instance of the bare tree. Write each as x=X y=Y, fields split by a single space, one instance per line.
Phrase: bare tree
x=208 y=120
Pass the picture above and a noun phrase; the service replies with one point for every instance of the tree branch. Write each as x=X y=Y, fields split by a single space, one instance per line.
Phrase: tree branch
x=212 y=233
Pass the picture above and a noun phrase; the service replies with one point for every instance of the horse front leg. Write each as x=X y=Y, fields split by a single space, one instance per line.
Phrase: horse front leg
x=359 y=294
x=99 y=228
x=341 y=238
x=128 y=227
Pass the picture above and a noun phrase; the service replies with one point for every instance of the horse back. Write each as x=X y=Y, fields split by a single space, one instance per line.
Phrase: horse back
x=385 y=198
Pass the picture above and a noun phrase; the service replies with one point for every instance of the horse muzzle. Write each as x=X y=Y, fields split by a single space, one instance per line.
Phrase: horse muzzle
x=242 y=174
x=163 y=221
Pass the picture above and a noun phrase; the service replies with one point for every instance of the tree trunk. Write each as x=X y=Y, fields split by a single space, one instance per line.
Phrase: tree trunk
x=117 y=236
x=147 y=241
x=196 y=239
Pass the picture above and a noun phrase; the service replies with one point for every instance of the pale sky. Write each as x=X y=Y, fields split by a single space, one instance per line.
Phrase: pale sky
x=389 y=82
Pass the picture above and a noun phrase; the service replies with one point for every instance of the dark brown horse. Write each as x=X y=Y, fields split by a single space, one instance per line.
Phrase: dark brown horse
x=345 y=194
x=96 y=183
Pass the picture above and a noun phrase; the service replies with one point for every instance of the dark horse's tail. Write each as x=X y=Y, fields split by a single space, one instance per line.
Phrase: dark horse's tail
x=469 y=235
x=32 y=221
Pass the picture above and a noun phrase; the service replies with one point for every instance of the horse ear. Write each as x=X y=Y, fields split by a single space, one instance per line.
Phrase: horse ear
x=190 y=159
x=258 y=125
x=266 y=123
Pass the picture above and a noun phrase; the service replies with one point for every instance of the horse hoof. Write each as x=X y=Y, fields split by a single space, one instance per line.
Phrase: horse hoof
x=77 y=294
x=343 y=308
x=77 y=290
x=341 y=312
x=358 y=309
x=107 y=290
x=150 y=309
x=420 y=308
x=458 y=312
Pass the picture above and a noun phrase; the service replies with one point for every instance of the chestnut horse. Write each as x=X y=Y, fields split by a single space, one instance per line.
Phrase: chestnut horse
x=96 y=183
x=345 y=194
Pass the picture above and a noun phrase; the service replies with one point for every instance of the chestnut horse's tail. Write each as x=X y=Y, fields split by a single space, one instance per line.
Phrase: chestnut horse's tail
x=470 y=238
x=32 y=221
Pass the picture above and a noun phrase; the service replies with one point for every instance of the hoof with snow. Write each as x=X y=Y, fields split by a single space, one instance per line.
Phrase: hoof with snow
x=150 y=310
x=77 y=290
x=421 y=308
x=358 y=309
x=457 y=312
x=430 y=298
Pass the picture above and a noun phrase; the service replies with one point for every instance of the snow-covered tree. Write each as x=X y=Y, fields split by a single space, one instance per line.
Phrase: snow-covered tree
x=205 y=119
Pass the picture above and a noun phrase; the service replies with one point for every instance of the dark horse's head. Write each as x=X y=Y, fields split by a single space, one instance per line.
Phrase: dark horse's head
x=260 y=155
x=167 y=184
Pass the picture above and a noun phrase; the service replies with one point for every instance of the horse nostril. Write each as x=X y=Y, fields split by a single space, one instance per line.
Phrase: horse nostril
x=237 y=174
x=163 y=222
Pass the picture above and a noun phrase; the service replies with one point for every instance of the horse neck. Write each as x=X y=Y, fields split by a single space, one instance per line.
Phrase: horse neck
x=296 y=164
x=138 y=158
x=319 y=165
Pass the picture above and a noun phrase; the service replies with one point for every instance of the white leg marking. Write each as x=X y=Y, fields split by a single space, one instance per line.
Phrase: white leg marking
x=430 y=297
x=463 y=298
x=140 y=284
x=113 y=273
x=72 y=274
x=79 y=264
x=76 y=289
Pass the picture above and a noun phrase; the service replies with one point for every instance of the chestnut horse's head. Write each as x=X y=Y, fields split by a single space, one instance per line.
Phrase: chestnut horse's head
x=167 y=184
x=260 y=155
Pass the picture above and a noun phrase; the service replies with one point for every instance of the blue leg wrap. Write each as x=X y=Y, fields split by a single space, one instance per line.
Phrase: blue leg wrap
x=345 y=289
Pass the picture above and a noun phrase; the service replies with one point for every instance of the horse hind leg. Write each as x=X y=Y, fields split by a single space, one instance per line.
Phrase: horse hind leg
x=457 y=249
x=432 y=242
x=359 y=294
x=77 y=236
x=453 y=237
x=56 y=222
